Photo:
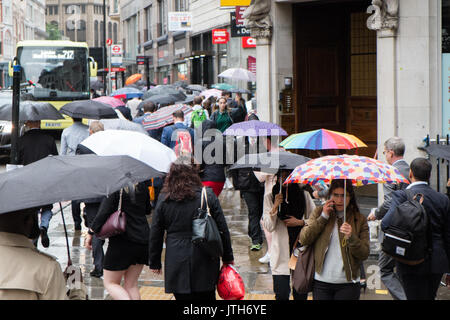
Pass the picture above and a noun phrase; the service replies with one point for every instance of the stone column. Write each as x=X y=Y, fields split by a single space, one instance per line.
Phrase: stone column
x=257 y=18
x=385 y=21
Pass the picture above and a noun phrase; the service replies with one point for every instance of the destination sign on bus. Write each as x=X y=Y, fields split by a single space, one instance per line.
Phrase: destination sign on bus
x=54 y=54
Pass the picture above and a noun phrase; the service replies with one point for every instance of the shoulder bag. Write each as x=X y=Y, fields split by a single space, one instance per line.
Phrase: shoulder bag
x=302 y=265
x=205 y=233
x=116 y=223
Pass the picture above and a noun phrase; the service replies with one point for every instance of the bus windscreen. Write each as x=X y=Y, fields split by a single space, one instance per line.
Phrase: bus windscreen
x=55 y=73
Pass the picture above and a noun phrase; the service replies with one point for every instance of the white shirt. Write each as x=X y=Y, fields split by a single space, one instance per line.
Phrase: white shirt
x=416 y=183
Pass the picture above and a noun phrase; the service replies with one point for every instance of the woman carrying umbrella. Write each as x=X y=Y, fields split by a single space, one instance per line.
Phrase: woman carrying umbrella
x=339 y=246
x=222 y=116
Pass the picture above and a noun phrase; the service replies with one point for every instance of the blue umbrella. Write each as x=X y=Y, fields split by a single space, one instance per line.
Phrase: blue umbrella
x=127 y=93
x=255 y=128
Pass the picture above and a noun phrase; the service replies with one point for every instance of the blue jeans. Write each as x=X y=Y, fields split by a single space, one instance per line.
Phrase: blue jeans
x=46 y=216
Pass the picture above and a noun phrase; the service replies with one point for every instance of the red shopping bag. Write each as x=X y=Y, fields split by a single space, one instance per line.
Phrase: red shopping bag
x=230 y=285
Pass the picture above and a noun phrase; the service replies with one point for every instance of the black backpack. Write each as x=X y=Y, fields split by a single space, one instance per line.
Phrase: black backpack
x=408 y=238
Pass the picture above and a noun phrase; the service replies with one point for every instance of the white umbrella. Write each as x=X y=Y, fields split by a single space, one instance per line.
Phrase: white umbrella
x=122 y=124
x=238 y=74
x=134 y=144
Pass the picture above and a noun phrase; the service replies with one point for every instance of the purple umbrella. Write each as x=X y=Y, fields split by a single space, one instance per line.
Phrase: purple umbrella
x=255 y=128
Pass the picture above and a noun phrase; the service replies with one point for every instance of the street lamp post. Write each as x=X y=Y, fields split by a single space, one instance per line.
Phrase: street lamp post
x=104 y=47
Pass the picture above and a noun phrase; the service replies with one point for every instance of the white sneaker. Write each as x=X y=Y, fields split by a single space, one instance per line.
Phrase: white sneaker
x=265 y=259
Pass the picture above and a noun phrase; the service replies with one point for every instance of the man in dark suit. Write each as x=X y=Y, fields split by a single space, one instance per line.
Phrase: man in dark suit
x=35 y=145
x=168 y=132
x=394 y=151
x=421 y=281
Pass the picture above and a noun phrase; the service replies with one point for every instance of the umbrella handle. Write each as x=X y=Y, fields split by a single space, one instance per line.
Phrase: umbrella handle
x=69 y=261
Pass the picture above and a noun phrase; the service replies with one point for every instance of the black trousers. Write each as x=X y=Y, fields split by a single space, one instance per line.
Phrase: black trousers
x=420 y=286
x=76 y=213
x=98 y=254
x=254 y=201
x=282 y=288
x=196 y=296
x=332 y=291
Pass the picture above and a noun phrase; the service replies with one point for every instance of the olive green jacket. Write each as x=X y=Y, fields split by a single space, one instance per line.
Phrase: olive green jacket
x=318 y=230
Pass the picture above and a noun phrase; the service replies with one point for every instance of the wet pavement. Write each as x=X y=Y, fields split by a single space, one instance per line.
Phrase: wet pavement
x=256 y=276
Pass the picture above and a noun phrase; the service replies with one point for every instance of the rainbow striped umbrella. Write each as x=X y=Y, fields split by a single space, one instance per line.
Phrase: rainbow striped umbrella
x=322 y=139
x=361 y=170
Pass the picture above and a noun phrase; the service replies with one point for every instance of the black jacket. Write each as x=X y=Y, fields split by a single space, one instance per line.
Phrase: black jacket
x=211 y=171
x=187 y=268
x=137 y=228
x=35 y=145
x=437 y=206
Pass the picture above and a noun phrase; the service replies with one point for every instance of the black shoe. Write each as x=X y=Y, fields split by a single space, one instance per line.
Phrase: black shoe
x=96 y=273
x=44 y=238
x=363 y=285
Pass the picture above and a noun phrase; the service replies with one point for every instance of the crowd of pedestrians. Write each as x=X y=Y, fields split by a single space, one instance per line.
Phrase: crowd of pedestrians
x=283 y=216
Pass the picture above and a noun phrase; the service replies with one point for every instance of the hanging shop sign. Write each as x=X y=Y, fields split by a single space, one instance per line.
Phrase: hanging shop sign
x=248 y=42
x=220 y=36
x=180 y=21
x=233 y=3
x=237 y=31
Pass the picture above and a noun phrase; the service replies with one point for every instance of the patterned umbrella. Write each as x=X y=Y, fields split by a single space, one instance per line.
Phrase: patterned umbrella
x=255 y=128
x=361 y=170
x=113 y=102
x=211 y=93
x=127 y=93
x=322 y=139
x=133 y=78
x=163 y=116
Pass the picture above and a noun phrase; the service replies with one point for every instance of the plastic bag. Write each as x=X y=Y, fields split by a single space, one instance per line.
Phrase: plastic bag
x=230 y=285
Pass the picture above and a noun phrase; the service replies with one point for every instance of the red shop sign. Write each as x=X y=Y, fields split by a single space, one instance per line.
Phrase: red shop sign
x=248 y=42
x=220 y=36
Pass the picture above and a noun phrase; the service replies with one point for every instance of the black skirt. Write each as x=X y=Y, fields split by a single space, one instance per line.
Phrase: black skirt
x=123 y=253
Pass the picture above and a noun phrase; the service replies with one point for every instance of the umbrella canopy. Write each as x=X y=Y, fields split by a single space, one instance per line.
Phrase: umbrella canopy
x=211 y=93
x=238 y=74
x=127 y=93
x=69 y=178
x=89 y=109
x=196 y=87
x=240 y=91
x=122 y=124
x=165 y=90
x=223 y=86
x=322 y=139
x=162 y=99
x=31 y=111
x=438 y=150
x=255 y=128
x=133 y=78
x=361 y=170
x=111 y=101
x=134 y=144
x=181 y=83
x=97 y=85
x=163 y=116
x=270 y=160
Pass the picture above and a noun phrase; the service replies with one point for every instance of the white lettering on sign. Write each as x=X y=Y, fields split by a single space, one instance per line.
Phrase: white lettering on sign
x=52 y=54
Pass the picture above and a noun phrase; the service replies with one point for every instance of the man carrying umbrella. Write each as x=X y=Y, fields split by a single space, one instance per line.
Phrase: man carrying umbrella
x=70 y=138
x=149 y=107
x=35 y=145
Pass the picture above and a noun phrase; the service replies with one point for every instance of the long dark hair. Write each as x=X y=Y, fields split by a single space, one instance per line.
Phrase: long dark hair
x=182 y=182
x=335 y=184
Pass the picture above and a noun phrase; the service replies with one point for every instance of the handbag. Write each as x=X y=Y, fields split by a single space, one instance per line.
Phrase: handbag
x=303 y=274
x=230 y=285
x=205 y=233
x=115 y=224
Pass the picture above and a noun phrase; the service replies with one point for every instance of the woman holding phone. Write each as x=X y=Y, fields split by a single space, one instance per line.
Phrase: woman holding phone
x=339 y=246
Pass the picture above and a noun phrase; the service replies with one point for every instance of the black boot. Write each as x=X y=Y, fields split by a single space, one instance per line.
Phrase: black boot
x=44 y=237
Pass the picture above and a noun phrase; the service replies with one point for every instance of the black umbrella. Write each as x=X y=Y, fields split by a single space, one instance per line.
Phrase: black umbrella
x=270 y=160
x=438 y=150
x=89 y=109
x=240 y=91
x=62 y=178
x=164 y=90
x=181 y=83
x=97 y=85
x=189 y=99
x=31 y=111
x=195 y=87
x=162 y=99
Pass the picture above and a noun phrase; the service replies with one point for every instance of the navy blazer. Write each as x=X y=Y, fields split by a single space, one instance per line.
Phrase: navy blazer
x=166 y=137
x=437 y=205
